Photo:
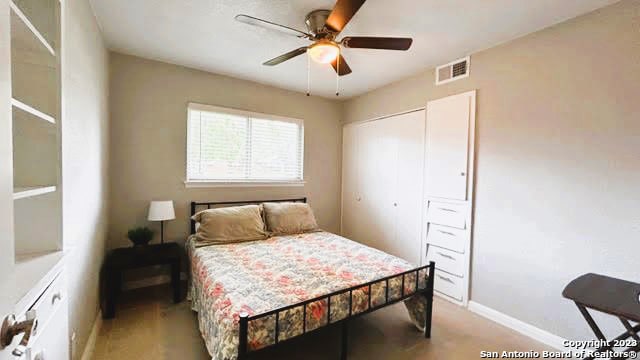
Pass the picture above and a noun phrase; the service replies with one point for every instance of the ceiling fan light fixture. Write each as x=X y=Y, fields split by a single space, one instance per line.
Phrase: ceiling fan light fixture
x=324 y=52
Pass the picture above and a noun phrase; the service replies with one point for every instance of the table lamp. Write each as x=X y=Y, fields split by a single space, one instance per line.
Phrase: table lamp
x=161 y=211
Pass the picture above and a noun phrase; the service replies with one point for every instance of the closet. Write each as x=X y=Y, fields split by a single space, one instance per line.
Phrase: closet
x=382 y=183
x=407 y=188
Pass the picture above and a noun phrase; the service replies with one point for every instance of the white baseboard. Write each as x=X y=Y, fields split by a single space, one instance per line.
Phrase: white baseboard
x=150 y=281
x=522 y=327
x=90 y=347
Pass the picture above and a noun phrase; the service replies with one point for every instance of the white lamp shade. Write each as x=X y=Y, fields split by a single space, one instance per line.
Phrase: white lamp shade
x=161 y=210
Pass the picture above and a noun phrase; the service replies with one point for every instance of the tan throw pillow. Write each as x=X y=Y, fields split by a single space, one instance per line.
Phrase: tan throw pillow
x=230 y=225
x=288 y=218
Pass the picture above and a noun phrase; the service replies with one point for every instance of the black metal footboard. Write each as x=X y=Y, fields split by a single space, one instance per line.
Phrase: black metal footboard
x=427 y=291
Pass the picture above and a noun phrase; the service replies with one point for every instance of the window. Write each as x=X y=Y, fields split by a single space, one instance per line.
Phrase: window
x=232 y=146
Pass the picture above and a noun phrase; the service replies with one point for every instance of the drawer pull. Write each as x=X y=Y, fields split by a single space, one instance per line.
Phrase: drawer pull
x=443 y=278
x=447 y=233
x=39 y=356
x=445 y=255
x=447 y=209
x=56 y=297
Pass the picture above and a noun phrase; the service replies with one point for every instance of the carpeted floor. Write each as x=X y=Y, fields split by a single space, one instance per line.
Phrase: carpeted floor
x=149 y=326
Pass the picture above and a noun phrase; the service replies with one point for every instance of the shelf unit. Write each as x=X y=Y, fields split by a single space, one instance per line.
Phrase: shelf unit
x=17 y=104
x=36 y=109
x=22 y=193
x=17 y=33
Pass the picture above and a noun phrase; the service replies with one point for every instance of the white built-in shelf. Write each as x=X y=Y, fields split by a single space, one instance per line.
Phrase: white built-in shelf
x=29 y=38
x=32 y=272
x=26 y=192
x=33 y=111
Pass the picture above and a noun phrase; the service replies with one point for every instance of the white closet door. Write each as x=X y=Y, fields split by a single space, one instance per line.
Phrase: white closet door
x=385 y=182
x=410 y=135
x=350 y=181
x=382 y=184
x=371 y=216
x=447 y=147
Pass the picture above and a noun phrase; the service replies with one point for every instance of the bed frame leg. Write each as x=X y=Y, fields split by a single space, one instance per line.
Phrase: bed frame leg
x=344 y=341
x=429 y=295
x=243 y=334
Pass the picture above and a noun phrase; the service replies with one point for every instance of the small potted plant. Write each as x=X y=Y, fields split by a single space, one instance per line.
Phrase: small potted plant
x=140 y=236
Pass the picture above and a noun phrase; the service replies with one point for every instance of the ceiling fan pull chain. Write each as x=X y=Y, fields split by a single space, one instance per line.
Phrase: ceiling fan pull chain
x=308 y=74
x=338 y=74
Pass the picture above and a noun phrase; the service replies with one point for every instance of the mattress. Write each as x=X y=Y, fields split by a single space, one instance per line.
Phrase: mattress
x=259 y=276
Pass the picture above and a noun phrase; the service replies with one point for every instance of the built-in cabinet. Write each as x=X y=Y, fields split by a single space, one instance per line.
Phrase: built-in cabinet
x=408 y=188
x=448 y=188
x=33 y=285
x=382 y=183
x=35 y=100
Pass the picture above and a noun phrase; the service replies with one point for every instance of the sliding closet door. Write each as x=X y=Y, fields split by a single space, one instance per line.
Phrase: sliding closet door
x=409 y=131
x=384 y=183
x=370 y=226
x=350 y=182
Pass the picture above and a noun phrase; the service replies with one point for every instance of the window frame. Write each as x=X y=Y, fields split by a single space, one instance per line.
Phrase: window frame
x=204 y=183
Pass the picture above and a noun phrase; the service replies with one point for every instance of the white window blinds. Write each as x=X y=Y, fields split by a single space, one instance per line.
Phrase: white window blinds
x=226 y=145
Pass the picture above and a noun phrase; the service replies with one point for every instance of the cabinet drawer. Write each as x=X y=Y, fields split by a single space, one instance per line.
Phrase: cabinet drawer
x=447 y=260
x=449 y=285
x=447 y=214
x=447 y=237
x=52 y=342
x=50 y=301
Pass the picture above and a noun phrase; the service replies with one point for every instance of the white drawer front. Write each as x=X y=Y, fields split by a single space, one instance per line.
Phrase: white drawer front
x=446 y=260
x=52 y=342
x=50 y=301
x=447 y=214
x=447 y=237
x=449 y=285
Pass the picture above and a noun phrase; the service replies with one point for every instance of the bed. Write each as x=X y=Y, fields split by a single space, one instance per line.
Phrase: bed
x=253 y=295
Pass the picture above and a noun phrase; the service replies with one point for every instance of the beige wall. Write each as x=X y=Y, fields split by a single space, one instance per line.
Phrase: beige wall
x=84 y=163
x=558 y=161
x=148 y=141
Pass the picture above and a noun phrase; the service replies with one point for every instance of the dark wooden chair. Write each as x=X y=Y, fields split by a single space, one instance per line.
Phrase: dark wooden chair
x=611 y=296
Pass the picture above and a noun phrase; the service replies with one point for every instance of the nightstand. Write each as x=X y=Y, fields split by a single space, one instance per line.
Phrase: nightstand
x=122 y=259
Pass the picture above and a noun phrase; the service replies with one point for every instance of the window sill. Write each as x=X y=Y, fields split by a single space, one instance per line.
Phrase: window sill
x=242 y=184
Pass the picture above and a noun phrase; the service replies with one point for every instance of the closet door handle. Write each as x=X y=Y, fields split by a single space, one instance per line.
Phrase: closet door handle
x=447 y=209
x=447 y=233
x=445 y=255
x=446 y=279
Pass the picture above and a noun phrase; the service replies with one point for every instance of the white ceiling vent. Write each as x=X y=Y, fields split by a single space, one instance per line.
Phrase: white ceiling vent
x=452 y=71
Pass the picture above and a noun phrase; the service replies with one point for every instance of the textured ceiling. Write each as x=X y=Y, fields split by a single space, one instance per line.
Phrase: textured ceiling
x=203 y=34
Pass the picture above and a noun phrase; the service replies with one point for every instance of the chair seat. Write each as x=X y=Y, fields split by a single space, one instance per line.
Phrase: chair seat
x=609 y=295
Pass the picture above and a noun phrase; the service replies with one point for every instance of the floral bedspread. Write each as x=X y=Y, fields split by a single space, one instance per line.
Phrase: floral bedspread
x=256 y=277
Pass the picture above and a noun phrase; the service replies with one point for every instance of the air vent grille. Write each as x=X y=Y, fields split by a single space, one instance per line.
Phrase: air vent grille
x=460 y=68
x=452 y=71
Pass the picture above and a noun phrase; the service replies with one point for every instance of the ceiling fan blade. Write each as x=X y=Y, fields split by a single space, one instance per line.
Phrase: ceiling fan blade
x=369 y=42
x=250 y=20
x=342 y=12
x=344 y=67
x=284 y=57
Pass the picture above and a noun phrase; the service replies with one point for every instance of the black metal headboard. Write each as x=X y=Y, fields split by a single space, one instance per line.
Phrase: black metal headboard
x=209 y=204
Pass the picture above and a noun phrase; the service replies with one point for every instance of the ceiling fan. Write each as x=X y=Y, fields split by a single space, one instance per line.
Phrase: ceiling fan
x=323 y=28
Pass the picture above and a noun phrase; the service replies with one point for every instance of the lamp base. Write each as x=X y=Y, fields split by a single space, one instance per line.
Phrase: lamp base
x=162 y=232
